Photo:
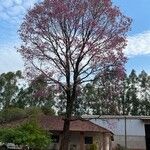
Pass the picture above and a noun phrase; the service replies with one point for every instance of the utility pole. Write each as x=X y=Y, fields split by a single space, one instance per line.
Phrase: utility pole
x=125 y=120
x=125 y=131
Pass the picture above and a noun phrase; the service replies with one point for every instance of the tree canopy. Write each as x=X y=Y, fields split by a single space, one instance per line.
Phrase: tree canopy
x=29 y=134
x=71 y=42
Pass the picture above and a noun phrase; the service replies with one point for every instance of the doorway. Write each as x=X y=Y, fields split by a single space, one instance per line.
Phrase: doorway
x=147 y=136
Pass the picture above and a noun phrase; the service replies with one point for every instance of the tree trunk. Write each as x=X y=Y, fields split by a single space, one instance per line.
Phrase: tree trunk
x=69 y=110
x=65 y=136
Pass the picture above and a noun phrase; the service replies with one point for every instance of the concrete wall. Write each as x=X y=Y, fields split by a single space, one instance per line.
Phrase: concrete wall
x=133 y=142
x=100 y=139
x=135 y=131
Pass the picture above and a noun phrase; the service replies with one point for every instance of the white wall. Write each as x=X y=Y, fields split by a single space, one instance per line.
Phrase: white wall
x=117 y=126
x=135 y=131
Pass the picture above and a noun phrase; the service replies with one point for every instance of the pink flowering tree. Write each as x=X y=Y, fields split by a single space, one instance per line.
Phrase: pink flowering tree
x=71 y=42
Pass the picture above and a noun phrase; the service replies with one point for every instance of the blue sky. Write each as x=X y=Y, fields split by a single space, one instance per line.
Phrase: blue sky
x=138 y=49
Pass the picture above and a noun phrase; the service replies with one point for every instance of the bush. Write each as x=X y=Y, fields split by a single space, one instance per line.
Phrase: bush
x=12 y=114
x=33 y=111
x=27 y=134
x=119 y=147
x=93 y=147
x=47 y=110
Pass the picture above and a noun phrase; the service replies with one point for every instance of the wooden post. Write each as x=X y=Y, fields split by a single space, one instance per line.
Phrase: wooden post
x=60 y=137
x=110 y=143
x=100 y=141
x=81 y=140
x=104 y=142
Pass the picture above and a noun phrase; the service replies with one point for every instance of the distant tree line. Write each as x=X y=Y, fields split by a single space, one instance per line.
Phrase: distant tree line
x=130 y=97
x=15 y=92
x=133 y=99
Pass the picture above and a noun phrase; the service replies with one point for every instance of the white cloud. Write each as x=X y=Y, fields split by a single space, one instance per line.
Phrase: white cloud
x=29 y=3
x=4 y=16
x=18 y=2
x=15 y=8
x=6 y=3
x=10 y=60
x=138 y=44
x=14 y=11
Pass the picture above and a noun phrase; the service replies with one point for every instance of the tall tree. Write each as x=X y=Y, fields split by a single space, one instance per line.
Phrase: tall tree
x=132 y=98
x=144 y=96
x=71 y=42
x=36 y=94
x=9 y=88
x=97 y=98
x=110 y=83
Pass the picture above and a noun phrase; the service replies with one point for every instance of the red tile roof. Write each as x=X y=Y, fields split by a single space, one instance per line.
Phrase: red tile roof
x=55 y=123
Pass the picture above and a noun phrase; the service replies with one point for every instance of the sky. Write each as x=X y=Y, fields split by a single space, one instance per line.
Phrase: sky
x=137 y=50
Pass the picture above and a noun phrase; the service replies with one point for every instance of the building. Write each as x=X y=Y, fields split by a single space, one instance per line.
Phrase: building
x=84 y=133
x=132 y=132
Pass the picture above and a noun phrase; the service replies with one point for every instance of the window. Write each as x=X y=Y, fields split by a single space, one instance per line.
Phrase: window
x=88 y=140
x=55 y=138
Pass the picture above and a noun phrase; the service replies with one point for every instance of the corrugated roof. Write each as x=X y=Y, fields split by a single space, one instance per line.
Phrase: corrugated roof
x=114 y=117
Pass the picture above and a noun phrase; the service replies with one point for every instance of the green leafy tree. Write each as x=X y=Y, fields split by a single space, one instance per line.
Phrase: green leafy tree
x=144 y=84
x=26 y=134
x=132 y=99
x=133 y=85
x=79 y=107
x=9 y=87
x=92 y=99
x=11 y=114
x=38 y=93
x=102 y=97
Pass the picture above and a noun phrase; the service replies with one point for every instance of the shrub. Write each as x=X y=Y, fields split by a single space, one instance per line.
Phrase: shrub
x=12 y=114
x=47 y=110
x=119 y=147
x=93 y=147
x=27 y=134
x=33 y=111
